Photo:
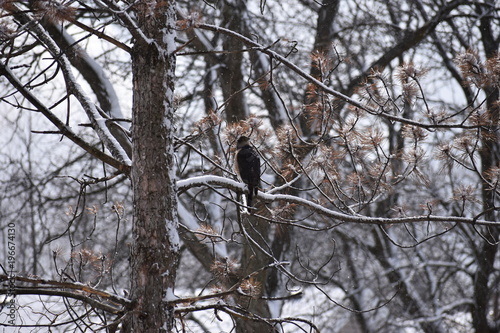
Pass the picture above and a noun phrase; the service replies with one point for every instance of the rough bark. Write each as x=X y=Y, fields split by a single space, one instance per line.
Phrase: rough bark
x=155 y=250
x=490 y=158
x=231 y=74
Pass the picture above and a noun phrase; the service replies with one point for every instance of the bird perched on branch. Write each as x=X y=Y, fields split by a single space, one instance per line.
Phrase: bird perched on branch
x=247 y=166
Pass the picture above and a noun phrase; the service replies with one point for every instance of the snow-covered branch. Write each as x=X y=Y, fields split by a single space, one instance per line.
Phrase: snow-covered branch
x=97 y=121
x=62 y=127
x=125 y=19
x=36 y=286
x=236 y=186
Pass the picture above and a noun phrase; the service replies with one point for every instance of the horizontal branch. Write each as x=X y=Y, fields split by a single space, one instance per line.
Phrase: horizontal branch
x=62 y=293
x=78 y=291
x=236 y=186
x=237 y=311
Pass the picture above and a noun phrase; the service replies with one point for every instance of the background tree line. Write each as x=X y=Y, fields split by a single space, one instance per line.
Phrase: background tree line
x=377 y=127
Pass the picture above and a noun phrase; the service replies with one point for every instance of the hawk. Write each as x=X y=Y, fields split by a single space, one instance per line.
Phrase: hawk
x=247 y=166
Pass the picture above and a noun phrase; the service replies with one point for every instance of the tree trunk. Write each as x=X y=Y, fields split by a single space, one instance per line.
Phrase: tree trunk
x=253 y=260
x=155 y=250
x=322 y=49
x=231 y=74
x=490 y=158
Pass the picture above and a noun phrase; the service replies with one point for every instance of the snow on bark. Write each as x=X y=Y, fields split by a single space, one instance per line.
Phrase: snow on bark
x=169 y=295
x=173 y=236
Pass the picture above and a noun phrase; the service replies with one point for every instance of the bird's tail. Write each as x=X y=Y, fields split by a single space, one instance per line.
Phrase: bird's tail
x=251 y=192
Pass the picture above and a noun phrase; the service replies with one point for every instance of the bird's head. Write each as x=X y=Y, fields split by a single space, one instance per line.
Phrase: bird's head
x=242 y=142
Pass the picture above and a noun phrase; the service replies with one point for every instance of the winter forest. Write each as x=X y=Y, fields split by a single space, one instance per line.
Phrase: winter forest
x=377 y=128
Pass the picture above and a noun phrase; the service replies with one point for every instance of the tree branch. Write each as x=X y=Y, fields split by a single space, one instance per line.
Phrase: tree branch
x=236 y=186
x=264 y=49
x=65 y=289
x=63 y=128
x=98 y=123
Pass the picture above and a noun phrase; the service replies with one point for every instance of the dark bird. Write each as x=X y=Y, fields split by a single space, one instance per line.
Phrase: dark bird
x=247 y=166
